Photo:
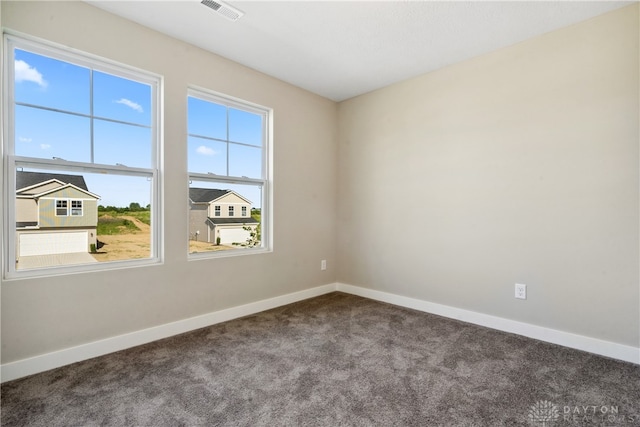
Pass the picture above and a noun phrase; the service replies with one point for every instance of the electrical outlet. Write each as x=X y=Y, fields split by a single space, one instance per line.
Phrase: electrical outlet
x=323 y=264
x=521 y=291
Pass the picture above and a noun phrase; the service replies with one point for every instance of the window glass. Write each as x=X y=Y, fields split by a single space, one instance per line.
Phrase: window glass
x=121 y=99
x=245 y=127
x=117 y=143
x=56 y=135
x=234 y=232
x=76 y=207
x=245 y=161
x=61 y=207
x=85 y=175
x=227 y=168
x=51 y=83
x=207 y=156
x=207 y=119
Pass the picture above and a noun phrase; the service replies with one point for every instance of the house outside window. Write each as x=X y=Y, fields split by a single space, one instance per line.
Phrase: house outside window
x=81 y=143
x=217 y=212
x=229 y=163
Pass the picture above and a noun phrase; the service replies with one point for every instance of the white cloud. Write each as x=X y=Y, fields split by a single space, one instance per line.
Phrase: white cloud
x=206 y=151
x=45 y=146
x=23 y=139
x=133 y=105
x=26 y=73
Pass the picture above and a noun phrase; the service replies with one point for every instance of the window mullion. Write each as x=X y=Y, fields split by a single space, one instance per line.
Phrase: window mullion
x=80 y=166
x=91 y=114
x=227 y=141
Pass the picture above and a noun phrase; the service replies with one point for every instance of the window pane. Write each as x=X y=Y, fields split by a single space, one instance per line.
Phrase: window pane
x=206 y=156
x=61 y=207
x=119 y=143
x=245 y=161
x=245 y=127
x=47 y=134
x=121 y=99
x=110 y=218
x=47 y=82
x=207 y=119
x=212 y=227
x=76 y=207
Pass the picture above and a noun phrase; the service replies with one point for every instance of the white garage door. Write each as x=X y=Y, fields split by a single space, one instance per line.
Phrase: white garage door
x=233 y=235
x=53 y=243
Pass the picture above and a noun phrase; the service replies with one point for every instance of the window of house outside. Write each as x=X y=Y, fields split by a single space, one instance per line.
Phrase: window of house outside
x=229 y=163
x=82 y=150
x=76 y=207
x=61 y=208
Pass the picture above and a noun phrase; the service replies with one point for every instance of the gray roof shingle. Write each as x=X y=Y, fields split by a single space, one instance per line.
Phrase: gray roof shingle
x=27 y=179
x=205 y=195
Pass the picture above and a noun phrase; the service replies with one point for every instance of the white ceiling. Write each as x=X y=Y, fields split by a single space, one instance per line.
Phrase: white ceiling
x=341 y=49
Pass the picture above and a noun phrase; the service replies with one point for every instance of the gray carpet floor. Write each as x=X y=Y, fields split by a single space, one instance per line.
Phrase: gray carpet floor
x=335 y=360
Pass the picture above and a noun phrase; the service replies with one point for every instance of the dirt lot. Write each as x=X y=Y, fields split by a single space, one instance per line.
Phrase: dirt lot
x=207 y=247
x=137 y=245
x=134 y=245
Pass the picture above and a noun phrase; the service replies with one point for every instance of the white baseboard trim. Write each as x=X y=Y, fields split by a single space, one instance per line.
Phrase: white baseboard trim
x=56 y=359
x=566 y=339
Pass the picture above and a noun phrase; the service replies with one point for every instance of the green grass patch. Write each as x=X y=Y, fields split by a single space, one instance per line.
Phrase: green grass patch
x=109 y=225
x=142 y=216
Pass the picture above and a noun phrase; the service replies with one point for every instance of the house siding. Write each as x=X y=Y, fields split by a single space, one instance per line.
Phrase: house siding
x=48 y=216
x=230 y=200
x=41 y=188
x=198 y=222
x=26 y=210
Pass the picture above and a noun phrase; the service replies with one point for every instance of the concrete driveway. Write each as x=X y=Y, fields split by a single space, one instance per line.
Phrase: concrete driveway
x=40 y=261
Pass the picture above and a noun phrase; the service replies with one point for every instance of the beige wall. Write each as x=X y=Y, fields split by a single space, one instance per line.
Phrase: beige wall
x=519 y=166
x=43 y=315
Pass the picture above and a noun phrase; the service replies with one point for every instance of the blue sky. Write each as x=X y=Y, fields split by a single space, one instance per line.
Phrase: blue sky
x=59 y=85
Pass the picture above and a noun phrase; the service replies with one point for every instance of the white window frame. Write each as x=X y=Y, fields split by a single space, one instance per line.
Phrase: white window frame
x=71 y=208
x=66 y=206
x=265 y=181
x=11 y=162
x=217 y=210
x=243 y=212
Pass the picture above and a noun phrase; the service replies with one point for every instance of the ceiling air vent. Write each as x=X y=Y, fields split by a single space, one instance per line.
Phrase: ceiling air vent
x=231 y=13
